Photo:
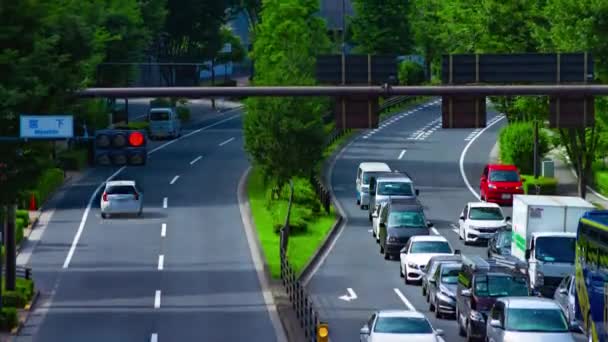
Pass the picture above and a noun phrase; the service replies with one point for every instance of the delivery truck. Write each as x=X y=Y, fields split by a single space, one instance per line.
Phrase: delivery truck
x=544 y=236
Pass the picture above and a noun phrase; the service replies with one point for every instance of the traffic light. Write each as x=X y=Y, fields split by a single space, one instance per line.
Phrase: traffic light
x=120 y=147
x=322 y=332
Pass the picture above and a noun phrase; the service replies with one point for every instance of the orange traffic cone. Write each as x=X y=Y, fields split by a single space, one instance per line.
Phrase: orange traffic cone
x=33 y=206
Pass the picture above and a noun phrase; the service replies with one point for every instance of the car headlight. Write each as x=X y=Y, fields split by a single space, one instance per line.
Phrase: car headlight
x=520 y=187
x=492 y=186
x=393 y=239
x=476 y=316
x=412 y=265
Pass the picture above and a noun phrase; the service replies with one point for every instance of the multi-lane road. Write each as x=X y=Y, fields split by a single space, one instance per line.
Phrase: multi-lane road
x=182 y=272
x=439 y=161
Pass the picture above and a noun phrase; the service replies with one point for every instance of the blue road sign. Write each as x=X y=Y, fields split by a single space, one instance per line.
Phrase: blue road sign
x=46 y=126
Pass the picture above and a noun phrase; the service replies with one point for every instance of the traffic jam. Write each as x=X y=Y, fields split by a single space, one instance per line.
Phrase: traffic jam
x=533 y=281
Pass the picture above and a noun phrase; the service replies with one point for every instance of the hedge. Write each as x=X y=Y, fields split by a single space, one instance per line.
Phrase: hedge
x=19 y=227
x=410 y=73
x=600 y=180
x=48 y=182
x=548 y=185
x=183 y=113
x=24 y=291
x=74 y=159
x=24 y=215
x=8 y=318
x=517 y=145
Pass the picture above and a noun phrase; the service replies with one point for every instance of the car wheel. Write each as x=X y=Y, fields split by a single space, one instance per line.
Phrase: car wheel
x=407 y=282
x=423 y=291
x=470 y=338
x=104 y=215
x=386 y=255
x=437 y=313
x=373 y=233
x=140 y=212
x=381 y=249
x=431 y=305
x=460 y=234
x=370 y=217
x=428 y=297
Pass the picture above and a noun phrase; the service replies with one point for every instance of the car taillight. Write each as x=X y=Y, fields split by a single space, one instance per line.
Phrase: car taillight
x=136 y=196
x=105 y=197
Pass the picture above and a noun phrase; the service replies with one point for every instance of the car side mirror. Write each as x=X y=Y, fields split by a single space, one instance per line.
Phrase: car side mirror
x=430 y=224
x=439 y=332
x=457 y=252
x=527 y=254
x=432 y=281
x=563 y=291
x=575 y=327
x=465 y=293
x=403 y=250
x=462 y=217
x=495 y=323
x=508 y=218
x=417 y=192
x=364 y=330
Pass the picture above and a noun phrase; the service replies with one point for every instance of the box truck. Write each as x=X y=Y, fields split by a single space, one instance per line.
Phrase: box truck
x=544 y=236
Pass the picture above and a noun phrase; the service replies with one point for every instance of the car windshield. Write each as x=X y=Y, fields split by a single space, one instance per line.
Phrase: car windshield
x=159 y=116
x=486 y=214
x=367 y=176
x=395 y=189
x=431 y=247
x=555 y=249
x=406 y=219
x=402 y=325
x=449 y=275
x=120 y=190
x=504 y=176
x=536 y=320
x=500 y=286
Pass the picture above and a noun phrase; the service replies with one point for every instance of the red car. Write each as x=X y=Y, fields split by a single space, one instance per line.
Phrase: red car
x=499 y=183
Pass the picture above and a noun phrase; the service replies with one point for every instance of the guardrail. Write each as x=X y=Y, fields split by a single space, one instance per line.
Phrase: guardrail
x=301 y=302
x=21 y=271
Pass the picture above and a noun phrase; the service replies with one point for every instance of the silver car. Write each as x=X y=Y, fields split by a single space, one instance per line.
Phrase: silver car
x=529 y=319
x=565 y=297
x=121 y=197
x=431 y=267
x=399 y=325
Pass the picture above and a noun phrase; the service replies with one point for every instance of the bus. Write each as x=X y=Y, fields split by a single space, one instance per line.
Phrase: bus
x=591 y=276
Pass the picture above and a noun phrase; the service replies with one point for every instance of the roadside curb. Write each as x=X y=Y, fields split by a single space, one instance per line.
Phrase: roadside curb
x=281 y=327
x=29 y=308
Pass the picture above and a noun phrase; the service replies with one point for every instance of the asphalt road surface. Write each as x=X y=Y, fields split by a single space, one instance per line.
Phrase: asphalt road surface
x=412 y=142
x=182 y=272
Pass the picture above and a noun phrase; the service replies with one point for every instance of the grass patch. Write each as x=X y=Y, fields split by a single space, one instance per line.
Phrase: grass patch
x=304 y=242
x=548 y=185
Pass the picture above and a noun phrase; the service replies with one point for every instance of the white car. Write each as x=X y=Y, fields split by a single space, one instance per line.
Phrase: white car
x=364 y=173
x=418 y=251
x=479 y=221
x=121 y=197
x=399 y=325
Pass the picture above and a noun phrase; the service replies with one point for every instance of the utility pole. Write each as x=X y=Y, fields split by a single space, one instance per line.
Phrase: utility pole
x=343 y=27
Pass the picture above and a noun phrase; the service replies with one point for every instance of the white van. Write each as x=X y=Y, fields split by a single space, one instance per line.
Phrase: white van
x=164 y=122
x=364 y=173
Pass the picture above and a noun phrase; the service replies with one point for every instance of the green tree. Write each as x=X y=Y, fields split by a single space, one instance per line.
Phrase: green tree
x=410 y=73
x=284 y=136
x=381 y=27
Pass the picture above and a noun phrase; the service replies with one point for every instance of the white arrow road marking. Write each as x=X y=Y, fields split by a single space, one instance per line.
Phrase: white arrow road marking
x=350 y=296
x=404 y=300
x=401 y=154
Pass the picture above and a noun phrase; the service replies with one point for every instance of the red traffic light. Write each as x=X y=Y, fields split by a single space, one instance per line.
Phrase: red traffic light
x=136 y=139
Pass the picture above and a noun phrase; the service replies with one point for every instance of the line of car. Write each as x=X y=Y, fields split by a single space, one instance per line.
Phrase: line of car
x=469 y=289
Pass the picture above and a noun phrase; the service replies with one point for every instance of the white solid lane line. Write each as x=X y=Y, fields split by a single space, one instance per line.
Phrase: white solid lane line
x=434 y=230
x=165 y=200
x=174 y=179
x=401 y=154
x=161 y=262
x=226 y=141
x=196 y=159
x=85 y=215
x=157 y=299
x=154 y=338
x=464 y=153
x=404 y=300
x=163 y=230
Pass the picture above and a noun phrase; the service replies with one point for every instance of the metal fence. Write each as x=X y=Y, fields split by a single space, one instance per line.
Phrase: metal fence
x=300 y=299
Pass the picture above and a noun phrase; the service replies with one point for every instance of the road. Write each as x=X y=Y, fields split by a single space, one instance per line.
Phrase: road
x=182 y=272
x=414 y=143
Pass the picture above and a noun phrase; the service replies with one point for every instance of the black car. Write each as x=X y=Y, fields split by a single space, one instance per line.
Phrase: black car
x=398 y=223
x=442 y=289
x=480 y=283
x=500 y=243
x=431 y=267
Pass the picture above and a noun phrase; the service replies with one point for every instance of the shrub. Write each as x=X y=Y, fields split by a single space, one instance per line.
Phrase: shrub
x=24 y=215
x=410 y=73
x=73 y=159
x=24 y=291
x=517 y=145
x=600 y=180
x=19 y=226
x=548 y=185
x=183 y=113
x=8 y=318
x=49 y=181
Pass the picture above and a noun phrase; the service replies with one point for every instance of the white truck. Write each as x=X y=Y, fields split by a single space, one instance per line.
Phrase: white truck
x=544 y=236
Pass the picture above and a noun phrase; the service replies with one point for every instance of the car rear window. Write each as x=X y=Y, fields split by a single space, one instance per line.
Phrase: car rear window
x=121 y=190
x=504 y=176
x=402 y=325
x=395 y=189
x=159 y=116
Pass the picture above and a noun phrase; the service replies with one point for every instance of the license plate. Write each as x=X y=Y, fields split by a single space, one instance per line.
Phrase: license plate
x=506 y=196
